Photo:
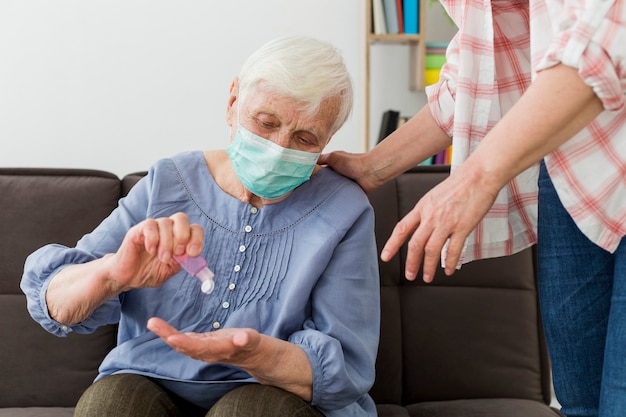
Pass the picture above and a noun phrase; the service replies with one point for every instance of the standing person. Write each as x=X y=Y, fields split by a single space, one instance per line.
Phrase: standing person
x=550 y=152
x=292 y=324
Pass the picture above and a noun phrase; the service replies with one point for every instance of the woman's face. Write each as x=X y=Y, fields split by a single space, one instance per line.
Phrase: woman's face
x=282 y=120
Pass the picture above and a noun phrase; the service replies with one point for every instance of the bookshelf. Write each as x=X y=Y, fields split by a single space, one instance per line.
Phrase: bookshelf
x=416 y=50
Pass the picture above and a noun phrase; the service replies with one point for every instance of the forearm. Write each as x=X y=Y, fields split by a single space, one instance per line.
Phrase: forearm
x=284 y=365
x=555 y=107
x=416 y=140
x=271 y=361
x=77 y=290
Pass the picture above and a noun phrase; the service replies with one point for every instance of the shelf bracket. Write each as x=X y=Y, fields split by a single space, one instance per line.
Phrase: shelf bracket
x=416 y=67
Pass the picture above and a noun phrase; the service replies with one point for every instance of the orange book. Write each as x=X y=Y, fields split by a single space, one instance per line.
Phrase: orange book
x=400 y=16
x=449 y=155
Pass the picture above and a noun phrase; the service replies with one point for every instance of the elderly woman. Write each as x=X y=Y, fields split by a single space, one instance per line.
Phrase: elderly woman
x=291 y=327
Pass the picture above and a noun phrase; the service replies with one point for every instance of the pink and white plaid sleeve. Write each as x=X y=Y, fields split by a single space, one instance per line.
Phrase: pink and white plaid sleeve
x=487 y=70
x=589 y=171
x=588 y=35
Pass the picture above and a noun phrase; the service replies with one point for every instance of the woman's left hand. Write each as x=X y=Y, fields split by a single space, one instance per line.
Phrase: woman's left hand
x=269 y=360
x=229 y=346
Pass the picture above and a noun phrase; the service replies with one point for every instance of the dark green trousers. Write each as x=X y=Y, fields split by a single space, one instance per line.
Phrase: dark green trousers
x=130 y=395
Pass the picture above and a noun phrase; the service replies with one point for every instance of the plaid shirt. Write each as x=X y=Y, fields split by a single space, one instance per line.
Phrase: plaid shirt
x=489 y=66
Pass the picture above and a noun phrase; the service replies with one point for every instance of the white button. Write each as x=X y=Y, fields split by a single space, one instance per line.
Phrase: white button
x=248 y=229
x=253 y=210
x=216 y=324
x=225 y=304
x=231 y=286
x=64 y=328
x=242 y=248
x=237 y=268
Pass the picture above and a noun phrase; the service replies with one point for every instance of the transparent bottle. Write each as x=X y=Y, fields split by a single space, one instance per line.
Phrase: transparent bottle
x=196 y=266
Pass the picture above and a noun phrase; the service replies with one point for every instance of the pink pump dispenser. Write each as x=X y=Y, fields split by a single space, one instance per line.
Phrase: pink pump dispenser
x=196 y=266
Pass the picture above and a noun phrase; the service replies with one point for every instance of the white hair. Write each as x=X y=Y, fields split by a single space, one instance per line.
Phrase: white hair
x=306 y=69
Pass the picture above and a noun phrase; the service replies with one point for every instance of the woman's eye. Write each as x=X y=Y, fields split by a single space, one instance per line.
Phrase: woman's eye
x=309 y=144
x=304 y=140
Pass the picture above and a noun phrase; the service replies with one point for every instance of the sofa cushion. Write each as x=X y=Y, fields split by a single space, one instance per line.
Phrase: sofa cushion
x=387 y=387
x=474 y=335
x=476 y=342
x=40 y=206
x=490 y=407
x=130 y=180
x=386 y=410
x=40 y=369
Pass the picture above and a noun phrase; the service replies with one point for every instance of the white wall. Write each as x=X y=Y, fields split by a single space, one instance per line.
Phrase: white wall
x=117 y=84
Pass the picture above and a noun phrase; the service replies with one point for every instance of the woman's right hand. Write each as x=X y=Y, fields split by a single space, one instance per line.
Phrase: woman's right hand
x=145 y=258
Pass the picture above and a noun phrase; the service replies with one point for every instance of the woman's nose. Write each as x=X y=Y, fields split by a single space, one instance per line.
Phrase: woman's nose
x=282 y=139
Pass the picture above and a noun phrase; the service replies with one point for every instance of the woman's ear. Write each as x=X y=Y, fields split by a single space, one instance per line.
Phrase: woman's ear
x=233 y=95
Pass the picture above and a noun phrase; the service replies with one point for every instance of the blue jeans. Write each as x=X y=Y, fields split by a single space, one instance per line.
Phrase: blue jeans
x=582 y=290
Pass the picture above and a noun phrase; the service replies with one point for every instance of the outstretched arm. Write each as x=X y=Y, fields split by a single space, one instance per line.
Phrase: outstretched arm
x=556 y=106
x=269 y=360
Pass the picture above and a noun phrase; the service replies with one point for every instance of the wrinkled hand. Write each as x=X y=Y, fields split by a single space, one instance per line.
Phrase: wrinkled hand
x=351 y=165
x=451 y=210
x=228 y=346
x=144 y=258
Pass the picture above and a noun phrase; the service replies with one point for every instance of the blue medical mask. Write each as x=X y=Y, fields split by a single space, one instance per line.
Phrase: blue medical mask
x=267 y=169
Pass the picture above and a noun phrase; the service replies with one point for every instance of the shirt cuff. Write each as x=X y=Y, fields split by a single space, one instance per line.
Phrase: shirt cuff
x=50 y=324
x=590 y=44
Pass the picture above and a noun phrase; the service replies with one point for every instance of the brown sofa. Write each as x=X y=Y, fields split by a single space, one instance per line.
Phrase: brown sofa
x=468 y=345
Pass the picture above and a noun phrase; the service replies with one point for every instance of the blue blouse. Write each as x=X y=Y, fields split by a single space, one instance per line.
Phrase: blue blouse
x=303 y=270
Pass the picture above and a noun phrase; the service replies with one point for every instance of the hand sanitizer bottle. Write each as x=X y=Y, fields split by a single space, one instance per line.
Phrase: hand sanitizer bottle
x=196 y=266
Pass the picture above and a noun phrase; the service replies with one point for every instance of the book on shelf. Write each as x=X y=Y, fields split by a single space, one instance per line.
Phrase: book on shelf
x=441 y=158
x=388 y=124
x=399 y=10
x=388 y=16
x=411 y=16
x=434 y=60
x=392 y=120
x=378 y=18
x=391 y=16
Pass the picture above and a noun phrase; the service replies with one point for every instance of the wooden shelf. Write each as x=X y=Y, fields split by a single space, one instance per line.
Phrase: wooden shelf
x=396 y=38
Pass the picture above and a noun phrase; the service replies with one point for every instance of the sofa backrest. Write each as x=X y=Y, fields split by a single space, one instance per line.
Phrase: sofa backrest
x=40 y=206
x=475 y=334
